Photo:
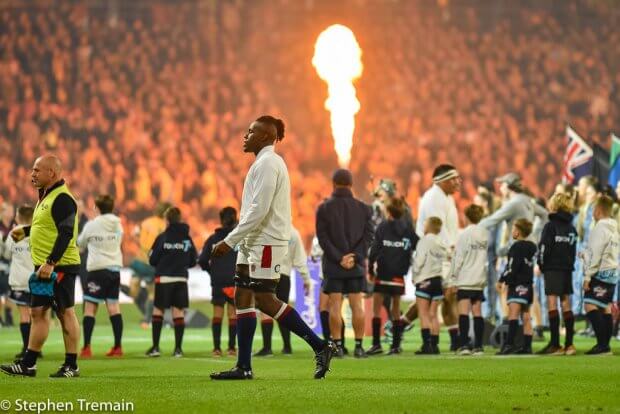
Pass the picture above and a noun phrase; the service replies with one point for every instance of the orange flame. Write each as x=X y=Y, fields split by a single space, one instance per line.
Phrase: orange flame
x=337 y=59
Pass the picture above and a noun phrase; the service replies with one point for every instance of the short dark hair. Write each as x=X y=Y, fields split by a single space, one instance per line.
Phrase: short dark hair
x=605 y=203
x=25 y=212
x=105 y=203
x=278 y=124
x=343 y=177
x=396 y=207
x=442 y=169
x=435 y=223
x=474 y=213
x=173 y=215
x=524 y=226
x=228 y=216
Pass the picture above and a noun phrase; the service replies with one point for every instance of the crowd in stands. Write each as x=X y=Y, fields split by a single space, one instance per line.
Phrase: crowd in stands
x=149 y=101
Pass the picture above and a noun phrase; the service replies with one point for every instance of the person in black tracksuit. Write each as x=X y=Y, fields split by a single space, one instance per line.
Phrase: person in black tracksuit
x=519 y=276
x=391 y=251
x=344 y=230
x=556 y=259
x=222 y=272
x=172 y=254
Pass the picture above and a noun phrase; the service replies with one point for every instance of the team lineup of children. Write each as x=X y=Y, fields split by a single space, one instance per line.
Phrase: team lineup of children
x=396 y=248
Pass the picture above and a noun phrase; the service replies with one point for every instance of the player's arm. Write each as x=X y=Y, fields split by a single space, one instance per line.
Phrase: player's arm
x=193 y=253
x=8 y=248
x=330 y=250
x=503 y=214
x=361 y=247
x=594 y=253
x=156 y=251
x=64 y=211
x=299 y=259
x=544 y=246
x=375 y=250
x=204 y=260
x=419 y=257
x=265 y=178
x=460 y=253
x=82 y=240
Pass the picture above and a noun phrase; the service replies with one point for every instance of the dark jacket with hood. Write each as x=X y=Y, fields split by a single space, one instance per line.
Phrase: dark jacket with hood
x=558 y=243
x=173 y=251
x=221 y=269
x=392 y=249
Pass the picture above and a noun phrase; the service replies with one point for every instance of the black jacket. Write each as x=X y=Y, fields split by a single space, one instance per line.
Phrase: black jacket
x=558 y=243
x=343 y=226
x=173 y=251
x=392 y=248
x=520 y=267
x=221 y=269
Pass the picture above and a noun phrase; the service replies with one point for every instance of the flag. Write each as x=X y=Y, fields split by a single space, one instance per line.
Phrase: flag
x=614 y=161
x=600 y=163
x=577 y=159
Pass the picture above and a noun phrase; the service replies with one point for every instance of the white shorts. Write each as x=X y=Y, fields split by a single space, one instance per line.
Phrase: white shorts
x=264 y=262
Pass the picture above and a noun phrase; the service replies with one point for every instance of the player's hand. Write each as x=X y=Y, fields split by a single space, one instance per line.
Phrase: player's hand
x=498 y=286
x=220 y=249
x=348 y=261
x=45 y=271
x=537 y=271
x=586 y=285
x=306 y=287
x=18 y=234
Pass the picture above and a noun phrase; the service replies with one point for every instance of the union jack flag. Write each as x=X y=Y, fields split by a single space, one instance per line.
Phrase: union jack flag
x=577 y=159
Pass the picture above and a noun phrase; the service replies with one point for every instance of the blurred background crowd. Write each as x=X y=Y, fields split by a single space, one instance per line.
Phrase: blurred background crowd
x=149 y=101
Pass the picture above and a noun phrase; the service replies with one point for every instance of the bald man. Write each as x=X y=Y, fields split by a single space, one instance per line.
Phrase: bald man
x=53 y=248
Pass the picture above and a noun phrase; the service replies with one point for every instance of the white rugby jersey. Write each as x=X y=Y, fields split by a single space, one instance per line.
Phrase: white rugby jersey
x=469 y=264
x=21 y=266
x=429 y=257
x=103 y=237
x=265 y=217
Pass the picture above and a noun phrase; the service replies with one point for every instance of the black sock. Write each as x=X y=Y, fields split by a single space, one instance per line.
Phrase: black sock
x=156 y=323
x=397 y=333
x=342 y=329
x=30 y=359
x=554 y=327
x=463 y=330
x=513 y=325
x=266 y=328
x=179 y=330
x=454 y=336
x=527 y=341
x=338 y=343
x=426 y=336
x=478 y=331
x=569 y=323
x=358 y=342
x=435 y=340
x=89 y=325
x=376 y=331
x=286 y=336
x=596 y=320
x=24 y=328
x=8 y=316
x=232 y=333
x=71 y=360
x=117 y=329
x=216 y=329
x=246 y=327
x=608 y=327
x=325 y=325
x=291 y=320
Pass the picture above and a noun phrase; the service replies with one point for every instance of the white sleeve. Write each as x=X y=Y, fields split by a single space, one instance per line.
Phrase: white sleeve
x=299 y=259
x=82 y=240
x=265 y=179
x=419 y=257
x=593 y=254
x=8 y=248
x=458 y=260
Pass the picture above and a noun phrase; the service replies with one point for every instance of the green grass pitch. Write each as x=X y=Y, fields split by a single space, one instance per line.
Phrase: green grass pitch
x=284 y=384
